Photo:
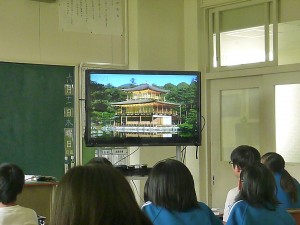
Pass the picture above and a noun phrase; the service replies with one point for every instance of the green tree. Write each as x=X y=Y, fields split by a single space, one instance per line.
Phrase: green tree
x=101 y=97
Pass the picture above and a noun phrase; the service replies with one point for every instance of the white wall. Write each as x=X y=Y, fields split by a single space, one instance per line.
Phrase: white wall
x=165 y=36
x=30 y=32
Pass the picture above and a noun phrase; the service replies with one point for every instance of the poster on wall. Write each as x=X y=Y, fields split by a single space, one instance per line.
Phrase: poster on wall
x=92 y=16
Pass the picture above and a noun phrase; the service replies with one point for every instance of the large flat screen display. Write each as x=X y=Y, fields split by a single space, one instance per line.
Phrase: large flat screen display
x=142 y=108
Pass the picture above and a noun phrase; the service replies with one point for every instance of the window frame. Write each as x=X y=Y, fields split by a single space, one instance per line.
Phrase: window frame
x=270 y=14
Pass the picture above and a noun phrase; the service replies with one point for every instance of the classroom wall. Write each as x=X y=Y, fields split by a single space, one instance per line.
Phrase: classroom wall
x=165 y=36
x=162 y=34
x=160 y=26
x=30 y=32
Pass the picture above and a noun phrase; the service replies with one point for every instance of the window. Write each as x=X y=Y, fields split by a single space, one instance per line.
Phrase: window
x=242 y=34
x=239 y=119
x=287 y=110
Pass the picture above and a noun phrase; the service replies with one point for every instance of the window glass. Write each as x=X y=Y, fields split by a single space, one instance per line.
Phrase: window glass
x=239 y=119
x=287 y=111
x=242 y=46
x=244 y=37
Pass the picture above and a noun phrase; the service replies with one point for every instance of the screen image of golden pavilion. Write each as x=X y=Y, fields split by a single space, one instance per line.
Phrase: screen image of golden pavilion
x=146 y=111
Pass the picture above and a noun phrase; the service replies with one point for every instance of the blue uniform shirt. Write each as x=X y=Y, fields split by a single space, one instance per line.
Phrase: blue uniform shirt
x=196 y=216
x=244 y=214
x=283 y=197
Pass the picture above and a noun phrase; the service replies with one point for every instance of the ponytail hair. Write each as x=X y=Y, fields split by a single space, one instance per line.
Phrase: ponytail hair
x=288 y=185
x=276 y=164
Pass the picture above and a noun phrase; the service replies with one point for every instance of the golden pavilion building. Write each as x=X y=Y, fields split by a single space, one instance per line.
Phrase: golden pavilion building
x=145 y=106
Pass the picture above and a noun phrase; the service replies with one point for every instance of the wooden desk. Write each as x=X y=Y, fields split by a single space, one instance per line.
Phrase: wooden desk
x=38 y=196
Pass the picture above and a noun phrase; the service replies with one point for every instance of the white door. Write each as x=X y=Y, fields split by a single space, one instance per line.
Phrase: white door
x=284 y=92
x=242 y=111
x=234 y=109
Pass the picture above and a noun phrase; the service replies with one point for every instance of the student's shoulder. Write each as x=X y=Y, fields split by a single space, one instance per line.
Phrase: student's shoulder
x=147 y=204
x=232 y=193
x=26 y=210
x=202 y=205
x=234 y=190
x=237 y=213
x=209 y=214
x=150 y=206
x=205 y=208
x=240 y=205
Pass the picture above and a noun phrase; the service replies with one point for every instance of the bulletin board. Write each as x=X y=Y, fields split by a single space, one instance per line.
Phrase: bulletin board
x=36 y=117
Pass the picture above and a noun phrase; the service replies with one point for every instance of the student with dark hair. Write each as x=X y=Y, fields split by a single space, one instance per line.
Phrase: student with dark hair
x=240 y=157
x=100 y=160
x=256 y=202
x=171 y=197
x=288 y=188
x=96 y=195
x=11 y=184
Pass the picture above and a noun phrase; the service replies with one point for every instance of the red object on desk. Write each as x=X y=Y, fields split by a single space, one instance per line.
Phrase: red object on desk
x=296 y=214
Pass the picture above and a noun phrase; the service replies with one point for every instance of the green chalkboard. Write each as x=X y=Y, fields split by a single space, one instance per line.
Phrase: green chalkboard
x=32 y=118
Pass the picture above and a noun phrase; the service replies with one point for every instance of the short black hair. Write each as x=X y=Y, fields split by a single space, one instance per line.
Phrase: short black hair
x=244 y=155
x=170 y=184
x=100 y=160
x=12 y=180
x=258 y=186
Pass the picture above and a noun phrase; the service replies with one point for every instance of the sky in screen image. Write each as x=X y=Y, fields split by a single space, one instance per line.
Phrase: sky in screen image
x=120 y=79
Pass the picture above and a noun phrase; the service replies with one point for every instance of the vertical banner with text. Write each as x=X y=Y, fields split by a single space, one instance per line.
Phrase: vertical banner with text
x=69 y=122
